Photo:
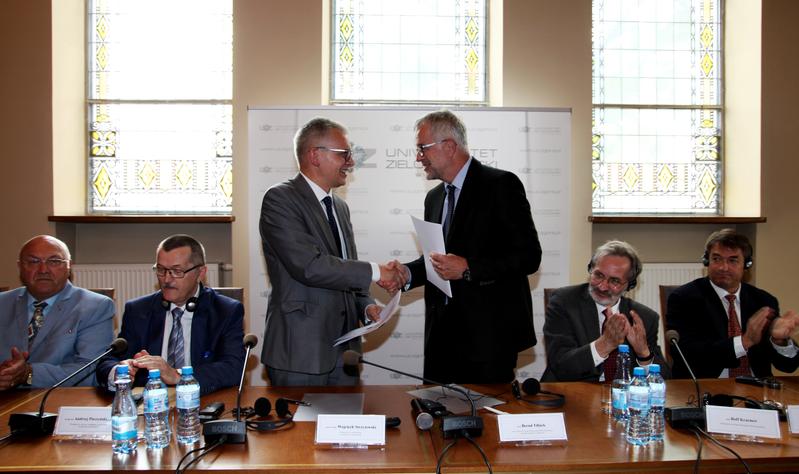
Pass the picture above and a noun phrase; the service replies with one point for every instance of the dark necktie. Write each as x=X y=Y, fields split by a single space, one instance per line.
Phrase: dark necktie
x=331 y=220
x=610 y=365
x=734 y=329
x=450 y=209
x=37 y=321
x=175 y=347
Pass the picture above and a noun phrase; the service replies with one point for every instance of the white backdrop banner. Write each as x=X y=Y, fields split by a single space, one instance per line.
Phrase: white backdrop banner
x=388 y=186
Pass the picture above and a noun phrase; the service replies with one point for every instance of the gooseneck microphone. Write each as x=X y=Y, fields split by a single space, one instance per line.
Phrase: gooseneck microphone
x=41 y=423
x=684 y=417
x=452 y=426
x=231 y=431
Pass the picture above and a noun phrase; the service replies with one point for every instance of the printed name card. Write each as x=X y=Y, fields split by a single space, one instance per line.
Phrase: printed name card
x=532 y=427
x=747 y=422
x=793 y=418
x=84 y=422
x=351 y=430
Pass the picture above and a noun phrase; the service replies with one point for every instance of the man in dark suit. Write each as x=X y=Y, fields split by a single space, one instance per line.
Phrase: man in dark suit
x=320 y=290
x=492 y=246
x=586 y=323
x=48 y=327
x=185 y=323
x=727 y=327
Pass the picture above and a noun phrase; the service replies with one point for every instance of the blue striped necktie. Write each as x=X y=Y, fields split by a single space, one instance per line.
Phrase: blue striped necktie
x=176 y=344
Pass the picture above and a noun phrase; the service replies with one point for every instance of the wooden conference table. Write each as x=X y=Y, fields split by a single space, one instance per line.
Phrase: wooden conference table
x=595 y=442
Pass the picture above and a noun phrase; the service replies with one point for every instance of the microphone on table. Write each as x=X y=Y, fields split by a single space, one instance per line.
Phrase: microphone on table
x=233 y=431
x=684 y=417
x=41 y=423
x=426 y=411
x=452 y=426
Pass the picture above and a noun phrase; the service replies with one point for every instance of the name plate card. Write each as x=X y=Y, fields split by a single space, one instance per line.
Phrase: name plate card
x=793 y=418
x=746 y=422
x=351 y=430
x=532 y=427
x=84 y=422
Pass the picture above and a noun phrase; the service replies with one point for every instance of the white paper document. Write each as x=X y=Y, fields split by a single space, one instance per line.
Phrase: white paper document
x=385 y=315
x=431 y=237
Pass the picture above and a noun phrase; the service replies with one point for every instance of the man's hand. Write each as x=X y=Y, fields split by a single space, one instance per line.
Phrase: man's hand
x=614 y=333
x=783 y=327
x=393 y=276
x=756 y=326
x=144 y=360
x=449 y=266
x=14 y=371
x=636 y=335
x=373 y=312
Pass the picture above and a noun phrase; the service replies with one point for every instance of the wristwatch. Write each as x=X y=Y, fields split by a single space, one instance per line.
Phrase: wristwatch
x=467 y=275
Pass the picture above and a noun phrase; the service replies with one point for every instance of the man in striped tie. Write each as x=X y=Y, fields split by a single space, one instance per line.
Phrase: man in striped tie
x=184 y=323
x=728 y=327
x=48 y=327
x=585 y=323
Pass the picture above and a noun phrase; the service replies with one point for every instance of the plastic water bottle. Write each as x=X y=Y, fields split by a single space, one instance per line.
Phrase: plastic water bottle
x=657 y=399
x=621 y=383
x=156 y=411
x=188 y=403
x=124 y=434
x=638 y=422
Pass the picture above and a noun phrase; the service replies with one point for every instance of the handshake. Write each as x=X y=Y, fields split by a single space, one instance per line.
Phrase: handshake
x=393 y=276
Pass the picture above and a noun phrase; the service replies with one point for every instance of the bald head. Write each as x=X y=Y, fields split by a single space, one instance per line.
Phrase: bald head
x=44 y=266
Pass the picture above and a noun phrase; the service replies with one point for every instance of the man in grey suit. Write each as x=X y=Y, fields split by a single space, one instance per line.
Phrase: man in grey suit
x=585 y=323
x=319 y=287
x=49 y=327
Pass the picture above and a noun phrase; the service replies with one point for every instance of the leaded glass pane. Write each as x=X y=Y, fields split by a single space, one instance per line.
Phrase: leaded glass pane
x=160 y=101
x=657 y=106
x=409 y=51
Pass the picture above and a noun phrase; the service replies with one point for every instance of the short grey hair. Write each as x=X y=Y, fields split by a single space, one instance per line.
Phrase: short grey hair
x=445 y=124
x=315 y=128
x=619 y=248
x=182 y=240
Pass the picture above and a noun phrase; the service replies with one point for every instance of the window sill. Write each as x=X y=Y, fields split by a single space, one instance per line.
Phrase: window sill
x=672 y=219
x=144 y=219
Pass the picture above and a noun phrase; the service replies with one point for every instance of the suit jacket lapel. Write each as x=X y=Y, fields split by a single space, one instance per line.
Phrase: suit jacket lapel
x=156 y=320
x=346 y=227
x=21 y=316
x=466 y=200
x=53 y=321
x=589 y=316
x=200 y=329
x=715 y=308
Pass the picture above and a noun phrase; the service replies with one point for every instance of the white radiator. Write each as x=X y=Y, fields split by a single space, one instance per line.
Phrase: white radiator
x=647 y=291
x=129 y=280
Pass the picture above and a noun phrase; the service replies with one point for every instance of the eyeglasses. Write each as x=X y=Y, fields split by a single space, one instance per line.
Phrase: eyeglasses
x=344 y=153
x=598 y=277
x=175 y=272
x=421 y=148
x=52 y=262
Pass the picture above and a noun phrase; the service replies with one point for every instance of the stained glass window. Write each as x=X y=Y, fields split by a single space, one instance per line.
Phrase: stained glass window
x=160 y=106
x=408 y=51
x=657 y=116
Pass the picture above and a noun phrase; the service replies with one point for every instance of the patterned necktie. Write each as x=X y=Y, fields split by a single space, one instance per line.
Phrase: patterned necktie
x=734 y=329
x=609 y=367
x=37 y=321
x=176 y=344
x=332 y=222
x=450 y=209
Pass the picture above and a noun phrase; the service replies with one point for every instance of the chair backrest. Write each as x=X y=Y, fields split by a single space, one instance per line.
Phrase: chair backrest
x=235 y=292
x=665 y=291
x=109 y=292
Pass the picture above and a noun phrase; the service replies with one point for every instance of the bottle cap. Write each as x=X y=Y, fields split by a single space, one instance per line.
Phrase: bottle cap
x=624 y=348
x=638 y=371
x=186 y=370
x=122 y=369
x=154 y=374
x=654 y=368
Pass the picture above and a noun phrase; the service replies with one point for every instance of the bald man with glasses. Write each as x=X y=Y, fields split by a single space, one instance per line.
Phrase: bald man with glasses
x=48 y=327
x=585 y=324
